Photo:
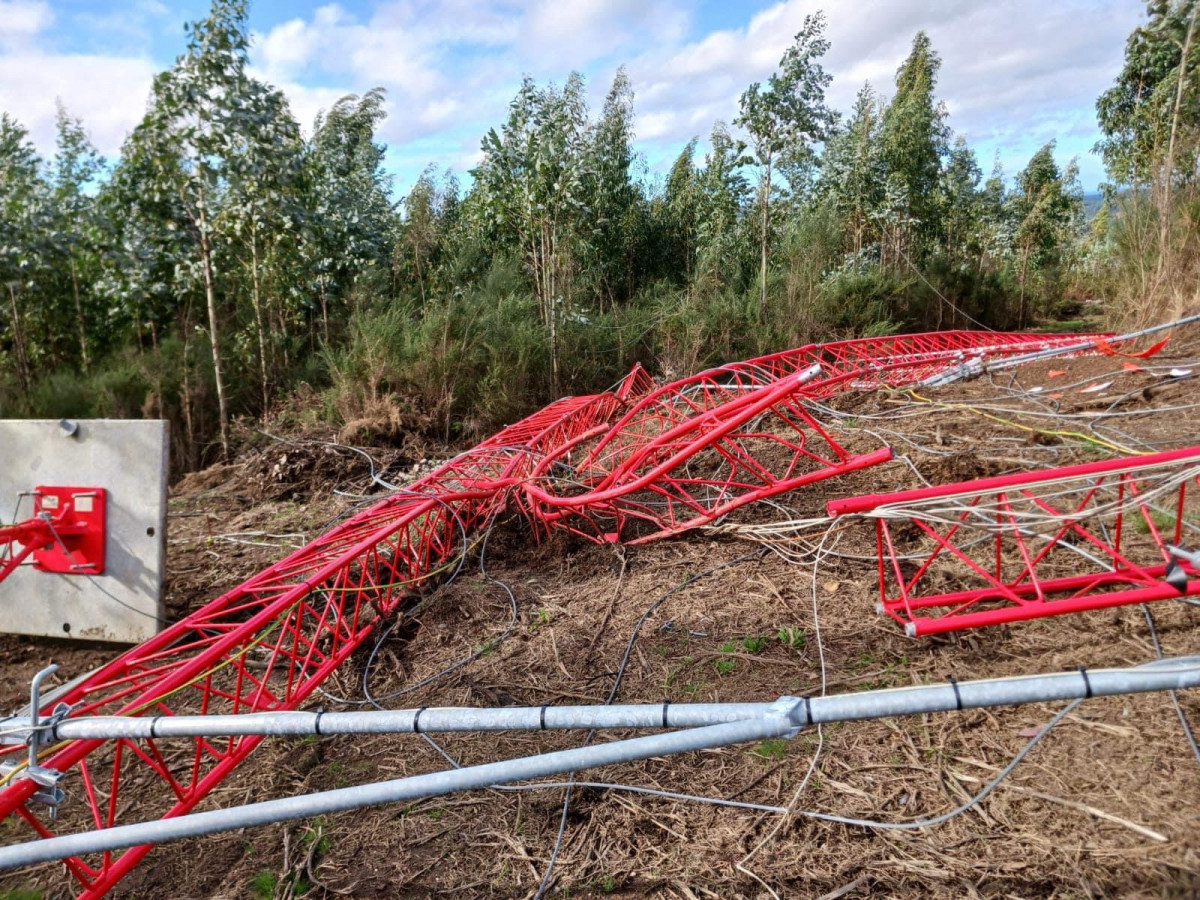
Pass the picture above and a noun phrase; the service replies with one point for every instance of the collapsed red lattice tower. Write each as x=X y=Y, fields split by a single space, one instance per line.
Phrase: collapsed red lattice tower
x=633 y=463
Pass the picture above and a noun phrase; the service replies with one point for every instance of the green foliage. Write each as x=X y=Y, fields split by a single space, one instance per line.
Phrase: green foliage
x=1154 y=95
x=754 y=643
x=913 y=139
x=772 y=748
x=263 y=885
x=726 y=666
x=792 y=636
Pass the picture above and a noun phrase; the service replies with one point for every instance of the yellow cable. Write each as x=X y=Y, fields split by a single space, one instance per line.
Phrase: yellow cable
x=1091 y=439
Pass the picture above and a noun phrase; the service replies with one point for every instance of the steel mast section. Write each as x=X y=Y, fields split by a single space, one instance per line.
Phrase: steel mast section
x=1036 y=544
x=267 y=644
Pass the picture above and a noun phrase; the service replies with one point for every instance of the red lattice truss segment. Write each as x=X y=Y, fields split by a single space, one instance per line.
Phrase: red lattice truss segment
x=633 y=463
x=1038 y=544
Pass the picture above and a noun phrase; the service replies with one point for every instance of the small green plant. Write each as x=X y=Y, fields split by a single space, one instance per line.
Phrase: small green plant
x=29 y=894
x=543 y=618
x=771 y=748
x=725 y=666
x=864 y=660
x=263 y=885
x=608 y=884
x=315 y=835
x=754 y=643
x=436 y=813
x=792 y=636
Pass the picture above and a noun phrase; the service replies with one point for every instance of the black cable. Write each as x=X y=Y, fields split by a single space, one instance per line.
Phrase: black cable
x=488 y=645
x=1183 y=722
x=1087 y=683
x=612 y=694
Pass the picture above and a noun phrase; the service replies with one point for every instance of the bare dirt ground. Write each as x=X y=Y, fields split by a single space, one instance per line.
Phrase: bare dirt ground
x=1106 y=806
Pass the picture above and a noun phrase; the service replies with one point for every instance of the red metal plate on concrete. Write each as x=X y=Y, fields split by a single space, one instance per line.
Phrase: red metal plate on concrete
x=77 y=514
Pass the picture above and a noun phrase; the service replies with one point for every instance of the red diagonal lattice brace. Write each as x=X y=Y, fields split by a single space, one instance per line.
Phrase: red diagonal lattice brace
x=1038 y=544
x=656 y=460
x=687 y=455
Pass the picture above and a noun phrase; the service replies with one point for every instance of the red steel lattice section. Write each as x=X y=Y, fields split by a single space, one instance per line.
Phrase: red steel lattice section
x=1027 y=546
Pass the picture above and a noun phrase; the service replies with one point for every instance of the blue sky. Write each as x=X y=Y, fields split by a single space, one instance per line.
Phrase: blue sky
x=1015 y=74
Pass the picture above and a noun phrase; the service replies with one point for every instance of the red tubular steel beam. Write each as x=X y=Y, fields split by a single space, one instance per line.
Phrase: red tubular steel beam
x=664 y=459
x=1009 y=538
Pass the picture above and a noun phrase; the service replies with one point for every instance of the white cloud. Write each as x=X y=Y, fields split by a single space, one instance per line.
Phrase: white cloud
x=574 y=34
x=108 y=93
x=291 y=47
x=1015 y=74
x=21 y=19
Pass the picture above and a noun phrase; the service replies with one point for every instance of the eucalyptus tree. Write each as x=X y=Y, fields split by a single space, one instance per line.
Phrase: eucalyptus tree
x=960 y=210
x=261 y=207
x=677 y=212
x=995 y=221
x=853 y=174
x=209 y=126
x=534 y=186
x=1046 y=210
x=1150 y=117
x=614 y=196
x=24 y=221
x=913 y=140
x=787 y=116
x=75 y=168
x=722 y=196
x=1151 y=114
x=430 y=210
x=350 y=222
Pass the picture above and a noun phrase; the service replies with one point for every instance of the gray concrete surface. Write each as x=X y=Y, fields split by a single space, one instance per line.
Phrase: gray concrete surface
x=129 y=459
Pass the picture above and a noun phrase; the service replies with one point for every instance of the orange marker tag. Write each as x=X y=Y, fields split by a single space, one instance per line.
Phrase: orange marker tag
x=1056 y=373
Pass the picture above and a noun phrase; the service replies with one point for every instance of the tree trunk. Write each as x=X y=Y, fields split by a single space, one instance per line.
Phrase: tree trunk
x=83 y=350
x=766 y=204
x=185 y=396
x=256 y=299
x=324 y=310
x=1168 y=168
x=210 y=297
x=1024 y=278
x=19 y=342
